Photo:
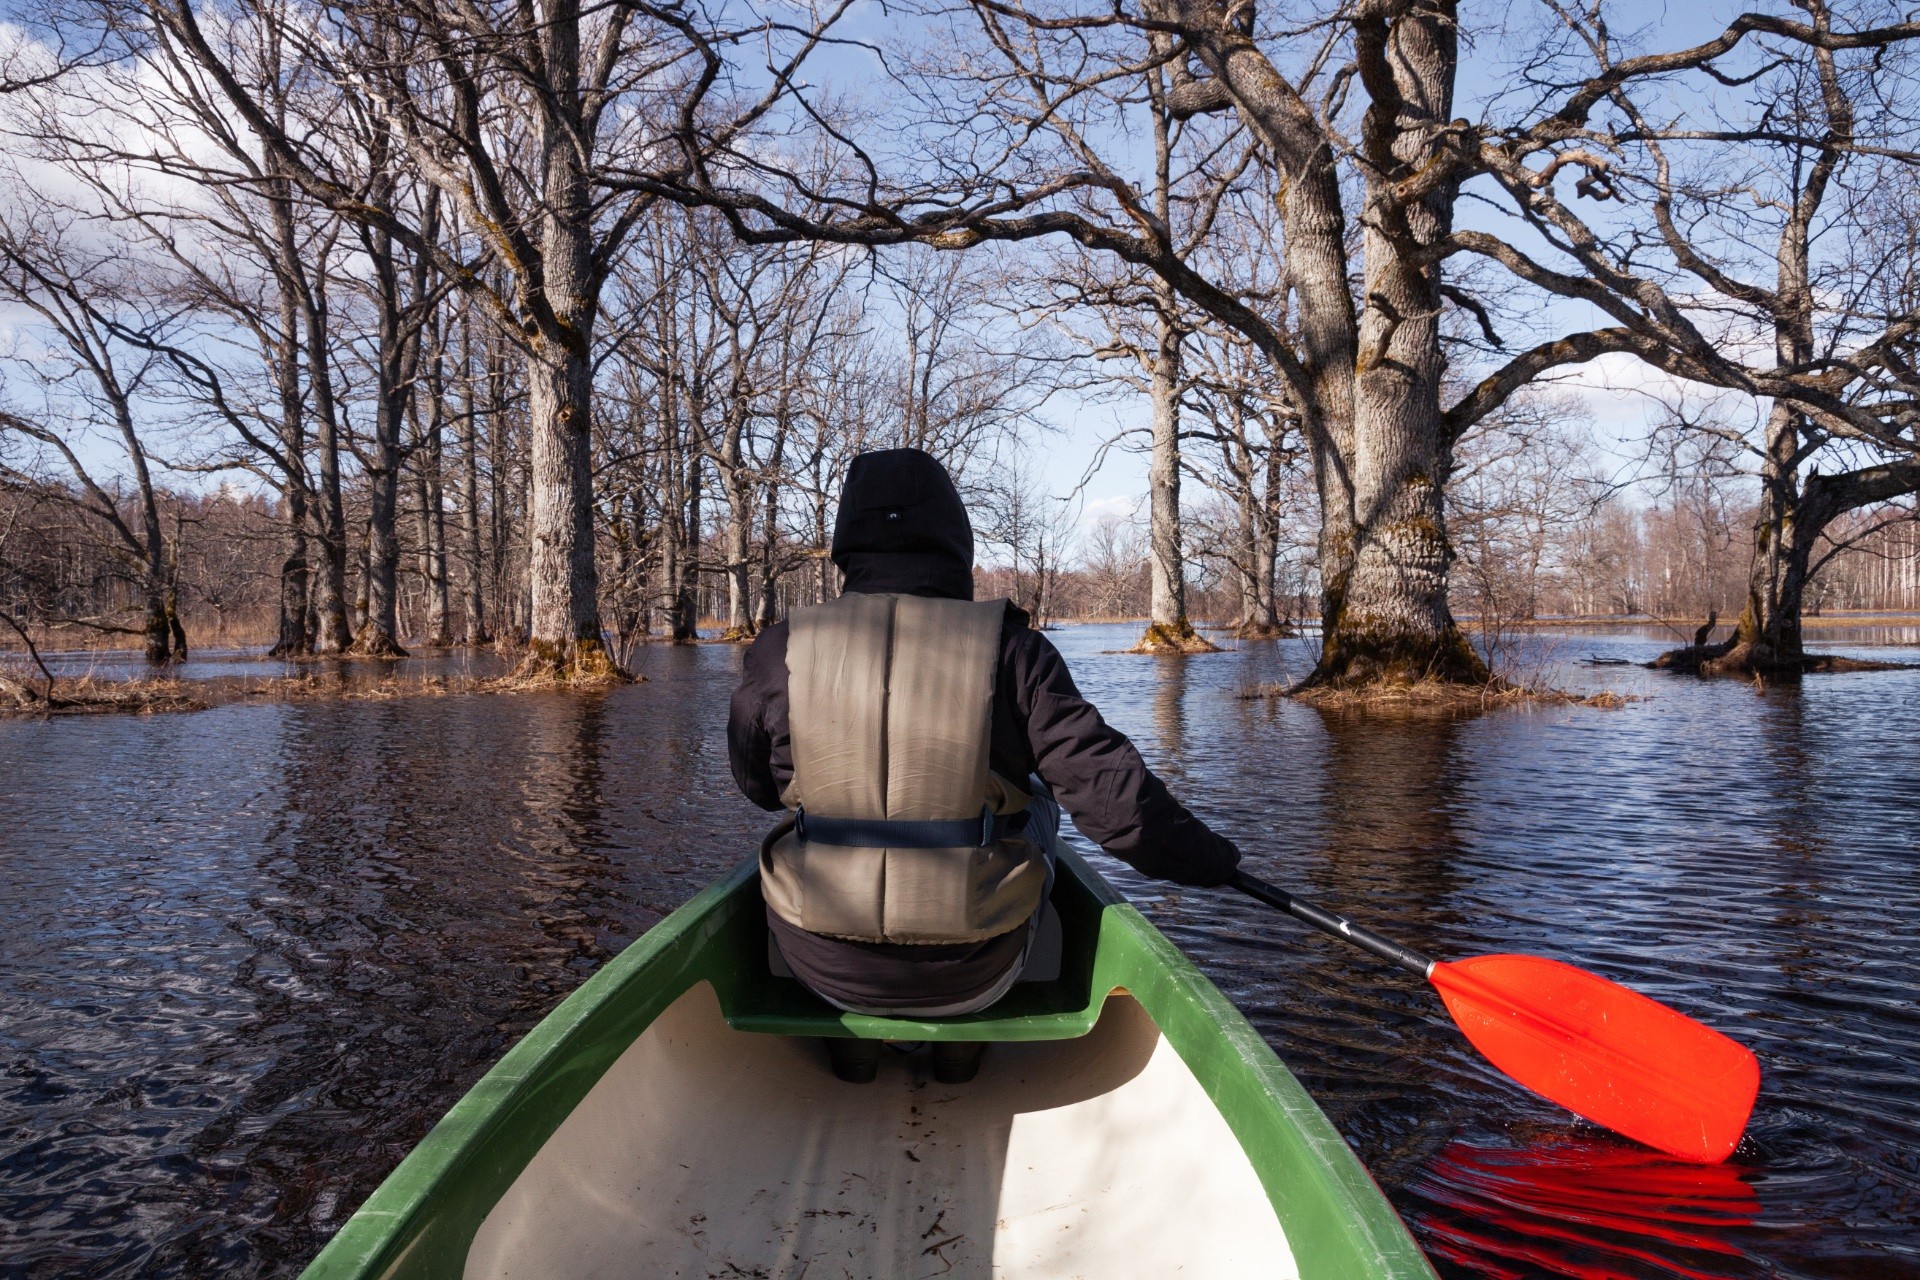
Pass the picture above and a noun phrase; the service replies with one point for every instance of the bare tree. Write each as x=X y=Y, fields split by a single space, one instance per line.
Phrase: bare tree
x=1766 y=249
x=1525 y=481
x=1034 y=528
x=1111 y=559
x=1019 y=124
x=1254 y=465
x=530 y=120
x=91 y=380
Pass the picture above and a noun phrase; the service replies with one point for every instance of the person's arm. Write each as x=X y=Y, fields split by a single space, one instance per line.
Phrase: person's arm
x=1101 y=781
x=757 y=743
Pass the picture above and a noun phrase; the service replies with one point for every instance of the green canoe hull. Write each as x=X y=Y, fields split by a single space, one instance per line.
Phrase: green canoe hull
x=494 y=1154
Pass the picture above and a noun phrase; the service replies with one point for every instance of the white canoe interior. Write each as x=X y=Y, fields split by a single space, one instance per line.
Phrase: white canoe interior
x=707 y=1152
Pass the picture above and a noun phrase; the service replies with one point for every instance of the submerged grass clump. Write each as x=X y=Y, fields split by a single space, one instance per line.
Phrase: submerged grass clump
x=25 y=693
x=1437 y=696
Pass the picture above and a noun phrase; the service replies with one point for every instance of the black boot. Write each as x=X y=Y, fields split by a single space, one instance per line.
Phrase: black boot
x=957 y=1061
x=855 y=1061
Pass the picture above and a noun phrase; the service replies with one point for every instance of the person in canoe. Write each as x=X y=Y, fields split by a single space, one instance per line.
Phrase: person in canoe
x=893 y=723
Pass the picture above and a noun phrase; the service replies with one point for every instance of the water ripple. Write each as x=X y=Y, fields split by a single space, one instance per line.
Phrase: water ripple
x=253 y=953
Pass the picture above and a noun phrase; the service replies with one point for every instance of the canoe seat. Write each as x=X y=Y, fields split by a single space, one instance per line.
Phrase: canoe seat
x=1063 y=1006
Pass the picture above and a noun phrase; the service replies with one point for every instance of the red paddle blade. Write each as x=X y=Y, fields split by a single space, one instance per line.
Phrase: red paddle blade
x=1604 y=1052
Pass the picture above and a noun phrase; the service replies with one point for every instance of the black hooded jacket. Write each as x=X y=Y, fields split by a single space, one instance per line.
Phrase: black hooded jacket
x=902 y=529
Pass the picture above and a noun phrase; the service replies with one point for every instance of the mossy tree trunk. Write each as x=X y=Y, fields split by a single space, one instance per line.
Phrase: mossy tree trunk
x=1385 y=558
x=1777 y=581
x=564 y=632
x=293 y=637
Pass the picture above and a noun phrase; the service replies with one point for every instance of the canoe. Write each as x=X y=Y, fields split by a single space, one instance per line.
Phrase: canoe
x=676 y=1117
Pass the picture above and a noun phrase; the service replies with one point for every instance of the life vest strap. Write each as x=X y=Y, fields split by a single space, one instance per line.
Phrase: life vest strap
x=909 y=833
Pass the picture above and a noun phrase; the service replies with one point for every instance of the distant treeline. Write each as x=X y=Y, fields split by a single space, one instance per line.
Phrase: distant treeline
x=68 y=577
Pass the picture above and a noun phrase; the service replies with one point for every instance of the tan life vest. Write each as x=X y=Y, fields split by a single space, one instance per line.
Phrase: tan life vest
x=894 y=839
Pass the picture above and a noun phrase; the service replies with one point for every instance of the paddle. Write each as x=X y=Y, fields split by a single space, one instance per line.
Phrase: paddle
x=1596 y=1048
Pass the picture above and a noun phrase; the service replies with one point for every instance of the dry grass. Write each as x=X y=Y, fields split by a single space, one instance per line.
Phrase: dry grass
x=24 y=691
x=1686 y=626
x=1436 y=697
x=22 y=694
x=1165 y=641
x=1860 y=620
x=571 y=680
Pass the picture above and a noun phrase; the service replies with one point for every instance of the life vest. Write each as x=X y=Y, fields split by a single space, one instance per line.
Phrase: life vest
x=900 y=833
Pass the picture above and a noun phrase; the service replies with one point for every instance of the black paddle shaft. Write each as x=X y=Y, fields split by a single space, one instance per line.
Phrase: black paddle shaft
x=1337 y=925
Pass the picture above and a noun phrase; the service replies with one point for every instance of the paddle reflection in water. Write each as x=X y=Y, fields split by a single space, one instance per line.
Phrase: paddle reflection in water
x=1585 y=1209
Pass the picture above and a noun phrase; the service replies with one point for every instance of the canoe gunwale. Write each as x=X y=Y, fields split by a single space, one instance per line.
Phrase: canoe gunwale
x=422 y=1218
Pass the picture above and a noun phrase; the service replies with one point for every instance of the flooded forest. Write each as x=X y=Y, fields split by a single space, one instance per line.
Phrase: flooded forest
x=1472 y=451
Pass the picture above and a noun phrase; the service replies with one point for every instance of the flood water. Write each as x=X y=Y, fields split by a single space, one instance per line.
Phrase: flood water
x=247 y=956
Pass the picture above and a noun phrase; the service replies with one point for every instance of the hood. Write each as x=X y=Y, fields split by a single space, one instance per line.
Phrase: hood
x=902 y=527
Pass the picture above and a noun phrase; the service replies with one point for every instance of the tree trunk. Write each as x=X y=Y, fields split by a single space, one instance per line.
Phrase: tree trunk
x=1266 y=547
x=1246 y=565
x=1791 y=518
x=822 y=534
x=472 y=578
x=296 y=607
x=379 y=631
x=1776 y=583
x=672 y=574
x=671 y=512
x=1390 y=623
x=1371 y=386
x=1168 y=630
x=824 y=576
x=646 y=593
x=768 y=608
x=564 y=633
x=157 y=636
x=331 y=632
x=1167 y=625
x=294 y=639
x=178 y=631
x=1315 y=229
x=431 y=520
x=396 y=362
x=686 y=599
x=357 y=610
x=564 y=622
x=161 y=624
x=739 y=534
x=767 y=612
x=499 y=478
x=1767 y=640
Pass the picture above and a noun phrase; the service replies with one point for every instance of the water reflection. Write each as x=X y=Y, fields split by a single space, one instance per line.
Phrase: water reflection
x=252 y=954
x=1582 y=1209
x=1387 y=798
x=1170 y=716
